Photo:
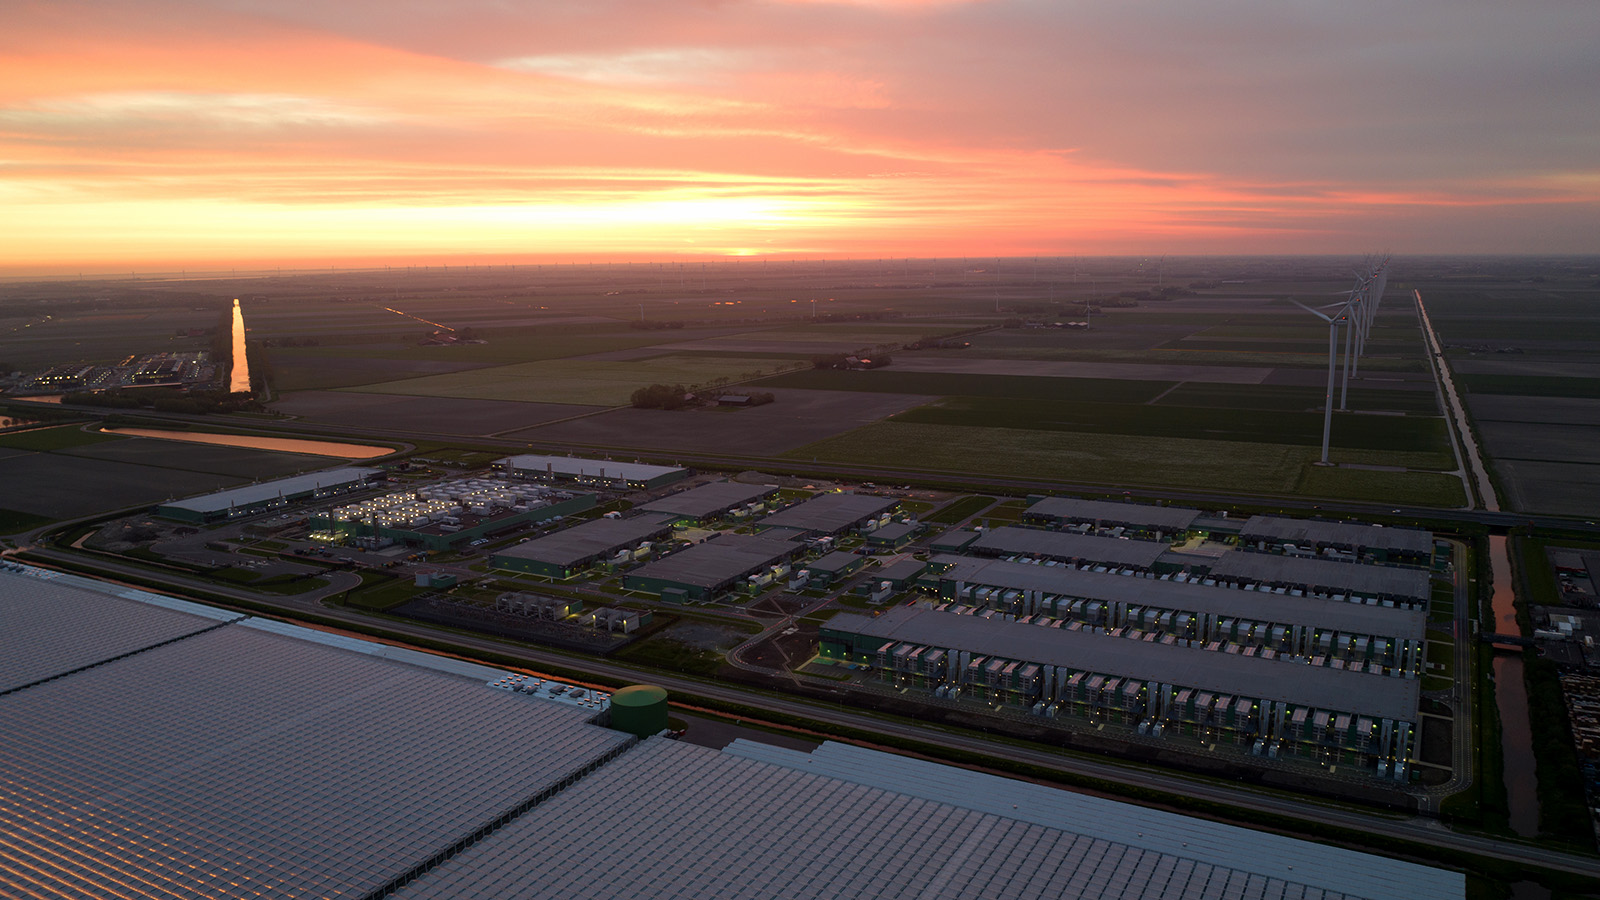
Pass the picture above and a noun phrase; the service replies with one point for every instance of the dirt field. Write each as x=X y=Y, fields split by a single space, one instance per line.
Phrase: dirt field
x=1585 y=367
x=294 y=371
x=795 y=418
x=424 y=415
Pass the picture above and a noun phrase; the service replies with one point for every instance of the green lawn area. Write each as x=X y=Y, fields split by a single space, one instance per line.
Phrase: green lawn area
x=1405 y=488
x=1251 y=468
x=60 y=437
x=583 y=382
x=12 y=521
x=959 y=510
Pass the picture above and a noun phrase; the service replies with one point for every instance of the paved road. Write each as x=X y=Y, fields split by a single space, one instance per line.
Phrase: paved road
x=1420 y=830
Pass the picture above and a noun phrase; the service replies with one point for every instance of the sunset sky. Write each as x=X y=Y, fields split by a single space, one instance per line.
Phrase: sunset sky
x=285 y=132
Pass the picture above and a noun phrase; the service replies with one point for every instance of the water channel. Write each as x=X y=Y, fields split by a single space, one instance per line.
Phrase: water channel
x=1510 y=690
x=239 y=377
x=256 y=442
x=1511 y=699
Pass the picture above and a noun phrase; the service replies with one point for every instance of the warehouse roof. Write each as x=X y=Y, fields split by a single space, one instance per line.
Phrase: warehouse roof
x=709 y=499
x=251 y=494
x=713 y=563
x=752 y=822
x=1067 y=545
x=830 y=513
x=1283 y=609
x=265 y=761
x=1324 y=574
x=587 y=468
x=1338 y=534
x=1072 y=509
x=1323 y=687
x=589 y=540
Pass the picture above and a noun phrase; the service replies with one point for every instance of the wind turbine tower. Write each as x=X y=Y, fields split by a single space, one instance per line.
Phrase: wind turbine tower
x=1342 y=315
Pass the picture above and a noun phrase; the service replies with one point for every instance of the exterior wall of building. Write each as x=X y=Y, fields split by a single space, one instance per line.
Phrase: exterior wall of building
x=1393 y=654
x=1266 y=727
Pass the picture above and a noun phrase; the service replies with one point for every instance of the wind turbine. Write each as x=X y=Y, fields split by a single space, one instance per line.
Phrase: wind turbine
x=1343 y=315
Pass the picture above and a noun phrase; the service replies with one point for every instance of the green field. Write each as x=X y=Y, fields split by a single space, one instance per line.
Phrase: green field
x=60 y=437
x=583 y=382
x=1120 y=460
x=12 y=521
x=960 y=509
x=1020 y=387
x=1402 y=433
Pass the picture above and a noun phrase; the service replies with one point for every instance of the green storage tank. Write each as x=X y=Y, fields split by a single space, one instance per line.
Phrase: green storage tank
x=640 y=710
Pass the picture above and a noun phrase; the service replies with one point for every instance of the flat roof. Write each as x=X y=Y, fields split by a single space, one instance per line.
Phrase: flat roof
x=1346 y=534
x=1283 y=609
x=830 y=513
x=252 y=761
x=900 y=571
x=1169 y=518
x=587 y=468
x=670 y=819
x=587 y=540
x=1067 y=545
x=1324 y=574
x=1322 y=687
x=710 y=499
x=252 y=494
x=894 y=531
x=713 y=563
x=837 y=561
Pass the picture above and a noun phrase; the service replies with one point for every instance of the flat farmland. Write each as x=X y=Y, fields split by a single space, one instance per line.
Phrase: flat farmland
x=95 y=337
x=1070 y=457
x=1392 y=433
x=895 y=380
x=580 y=382
x=297 y=370
x=962 y=363
x=231 y=462
x=423 y=415
x=795 y=418
x=59 y=486
x=1300 y=399
x=1554 y=410
x=1556 y=488
x=1541 y=441
x=1531 y=385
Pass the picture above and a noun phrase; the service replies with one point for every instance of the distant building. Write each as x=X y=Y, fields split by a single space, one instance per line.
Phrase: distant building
x=257 y=498
x=597 y=472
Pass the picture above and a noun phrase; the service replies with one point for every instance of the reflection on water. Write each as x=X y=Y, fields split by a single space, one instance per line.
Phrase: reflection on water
x=282 y=445
x=239 y=378
x=15 y=422
x=1511 y=699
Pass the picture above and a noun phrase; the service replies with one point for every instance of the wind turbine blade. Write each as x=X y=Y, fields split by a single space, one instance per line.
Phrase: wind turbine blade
x=1325 y=318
